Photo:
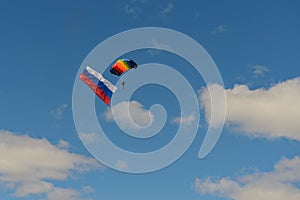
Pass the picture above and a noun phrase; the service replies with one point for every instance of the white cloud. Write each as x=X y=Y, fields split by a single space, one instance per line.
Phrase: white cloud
x=129 y=115
x=58 y=112
x=29 y=165
x=185 y=120
x=260 y=70
x=215 y=92
x=281 y=183
x=168 y=9
x=269 y=113
x=220 y=29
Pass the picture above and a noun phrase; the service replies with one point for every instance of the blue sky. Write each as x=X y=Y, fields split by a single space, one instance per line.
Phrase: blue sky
x=255 y=45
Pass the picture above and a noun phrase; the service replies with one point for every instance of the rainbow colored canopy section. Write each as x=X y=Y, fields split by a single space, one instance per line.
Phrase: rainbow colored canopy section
x=122 y=66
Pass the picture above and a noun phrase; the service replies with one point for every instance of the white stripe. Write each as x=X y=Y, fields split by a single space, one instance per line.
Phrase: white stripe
x=99 y=76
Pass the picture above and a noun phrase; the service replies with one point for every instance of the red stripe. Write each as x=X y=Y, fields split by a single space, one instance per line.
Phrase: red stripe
x=95 y=89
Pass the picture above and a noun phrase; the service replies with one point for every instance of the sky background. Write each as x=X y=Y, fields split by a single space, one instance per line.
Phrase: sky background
x=255 y=45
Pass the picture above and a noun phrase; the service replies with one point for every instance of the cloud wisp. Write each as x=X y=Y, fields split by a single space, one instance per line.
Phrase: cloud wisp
x=59 y=112
x=134 y=8
x=260 y=70
x=185 y=120
x=221 y=29
x=167 y=10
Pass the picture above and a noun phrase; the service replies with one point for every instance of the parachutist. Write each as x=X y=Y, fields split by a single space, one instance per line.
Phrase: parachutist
x=102 y=87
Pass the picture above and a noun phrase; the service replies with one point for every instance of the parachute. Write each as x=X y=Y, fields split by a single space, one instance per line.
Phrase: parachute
x=99 y=85
x=102 y=87
x=122 y=66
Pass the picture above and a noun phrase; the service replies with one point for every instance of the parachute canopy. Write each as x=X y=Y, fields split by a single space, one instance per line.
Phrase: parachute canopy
x=122 y=66
x=99 y=85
